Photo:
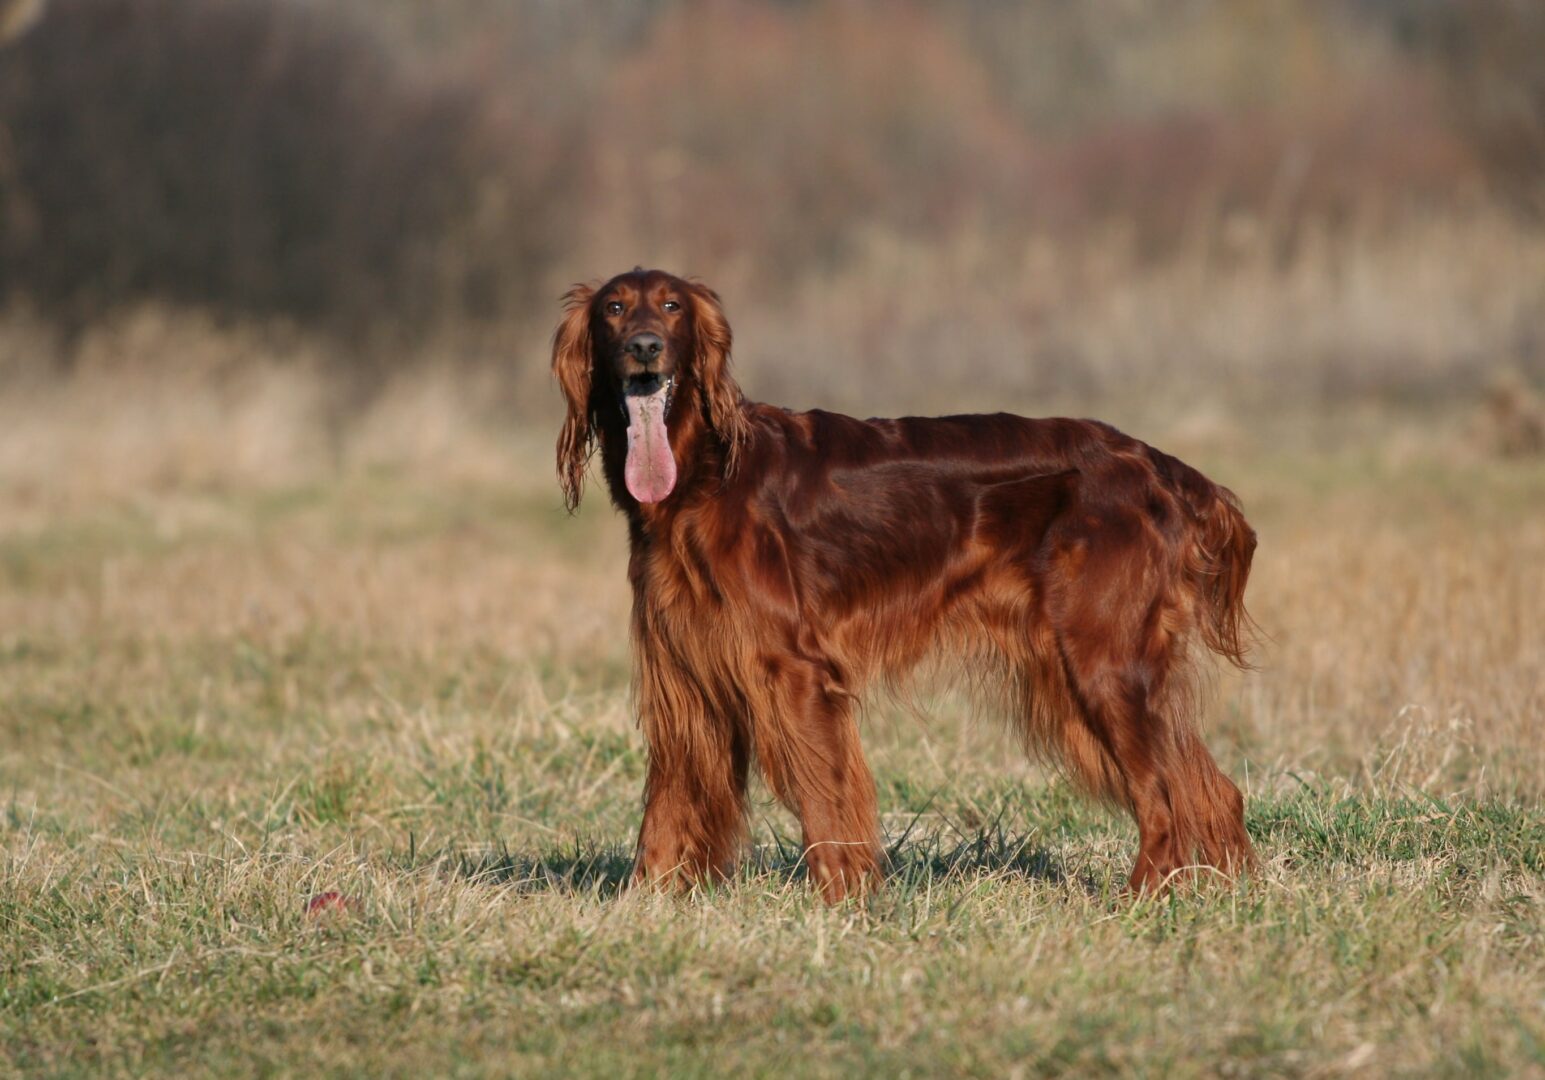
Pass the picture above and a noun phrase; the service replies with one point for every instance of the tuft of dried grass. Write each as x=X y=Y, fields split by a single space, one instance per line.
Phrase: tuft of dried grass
x=1514 y=416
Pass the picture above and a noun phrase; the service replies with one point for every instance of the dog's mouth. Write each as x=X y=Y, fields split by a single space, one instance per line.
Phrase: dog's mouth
x=645 y=383
x=651 y=467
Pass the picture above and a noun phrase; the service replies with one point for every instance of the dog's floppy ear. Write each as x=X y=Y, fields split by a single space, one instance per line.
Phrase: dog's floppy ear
x=712 y=365
x=572 y=364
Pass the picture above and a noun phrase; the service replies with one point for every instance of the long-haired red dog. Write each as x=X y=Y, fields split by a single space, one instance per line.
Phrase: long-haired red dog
x=782 y=561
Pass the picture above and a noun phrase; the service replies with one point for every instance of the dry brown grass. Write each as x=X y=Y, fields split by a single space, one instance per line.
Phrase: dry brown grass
x=1398 y=583
x=1191 y=348
x=1404 y=610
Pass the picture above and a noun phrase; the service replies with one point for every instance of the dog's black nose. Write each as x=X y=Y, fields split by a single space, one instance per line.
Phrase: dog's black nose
x=645 y=348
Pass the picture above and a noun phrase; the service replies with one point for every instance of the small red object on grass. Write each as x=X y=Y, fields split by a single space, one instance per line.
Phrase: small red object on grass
x=326 y=903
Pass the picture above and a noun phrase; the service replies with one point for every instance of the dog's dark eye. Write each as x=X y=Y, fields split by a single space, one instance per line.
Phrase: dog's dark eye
x=671 y=305
x=614 y=307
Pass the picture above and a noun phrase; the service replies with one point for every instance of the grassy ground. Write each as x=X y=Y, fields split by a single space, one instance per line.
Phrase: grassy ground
x=217 y=701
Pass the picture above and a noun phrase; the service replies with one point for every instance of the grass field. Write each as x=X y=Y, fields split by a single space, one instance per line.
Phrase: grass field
x=220 y=699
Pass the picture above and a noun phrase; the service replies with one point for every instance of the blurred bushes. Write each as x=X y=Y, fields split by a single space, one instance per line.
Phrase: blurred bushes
x=768 y=139
x=1493 y=55
x=258 y=157
x=391 y=165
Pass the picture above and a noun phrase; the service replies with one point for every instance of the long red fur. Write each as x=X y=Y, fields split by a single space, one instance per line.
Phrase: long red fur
x=803 y=556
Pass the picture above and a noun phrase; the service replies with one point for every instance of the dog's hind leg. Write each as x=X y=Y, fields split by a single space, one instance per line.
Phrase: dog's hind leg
x=1121 y=636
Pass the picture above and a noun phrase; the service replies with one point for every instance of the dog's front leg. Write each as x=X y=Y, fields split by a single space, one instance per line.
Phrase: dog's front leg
x=694 y=802
x=807 y=746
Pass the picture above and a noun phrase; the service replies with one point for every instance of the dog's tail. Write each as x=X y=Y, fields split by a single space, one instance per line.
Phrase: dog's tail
x=1217 y=564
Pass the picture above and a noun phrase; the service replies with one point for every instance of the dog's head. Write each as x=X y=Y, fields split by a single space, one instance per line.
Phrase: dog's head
x=645 y=356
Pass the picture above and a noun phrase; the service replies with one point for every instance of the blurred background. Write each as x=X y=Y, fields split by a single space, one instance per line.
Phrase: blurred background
x=254 y=238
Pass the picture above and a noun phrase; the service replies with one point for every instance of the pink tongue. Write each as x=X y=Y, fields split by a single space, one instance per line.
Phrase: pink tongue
x=651 y=470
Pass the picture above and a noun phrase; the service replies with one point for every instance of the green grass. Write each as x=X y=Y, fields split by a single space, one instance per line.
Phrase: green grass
x=1395 y=933
x=215 y=706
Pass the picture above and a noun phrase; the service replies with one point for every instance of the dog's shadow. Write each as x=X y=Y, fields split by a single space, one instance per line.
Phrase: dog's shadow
x=913 y=862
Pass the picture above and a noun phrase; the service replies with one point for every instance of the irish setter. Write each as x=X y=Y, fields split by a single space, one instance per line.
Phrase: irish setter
x=783 y=561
